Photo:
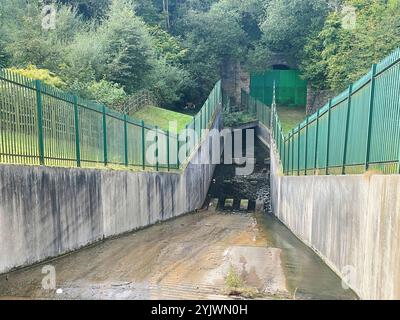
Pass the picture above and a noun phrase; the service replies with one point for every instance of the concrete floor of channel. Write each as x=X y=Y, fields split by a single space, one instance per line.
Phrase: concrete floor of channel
x=206 y=255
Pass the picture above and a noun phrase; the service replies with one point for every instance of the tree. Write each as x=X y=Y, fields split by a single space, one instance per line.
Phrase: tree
x=128 y=52
x=287 y=24
x=90 y=9
x=339 y=56
x=27 y=42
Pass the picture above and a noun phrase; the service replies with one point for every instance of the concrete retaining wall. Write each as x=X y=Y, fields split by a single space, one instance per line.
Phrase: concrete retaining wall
x=46 y=212
x=352 y=222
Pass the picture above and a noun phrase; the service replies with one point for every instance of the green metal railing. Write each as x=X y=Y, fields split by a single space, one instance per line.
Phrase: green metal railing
x=256 y=108
x=41 y=125
x=357 y=131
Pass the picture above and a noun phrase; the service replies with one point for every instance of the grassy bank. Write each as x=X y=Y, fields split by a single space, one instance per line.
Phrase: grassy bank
x=162 y=117
x=291 y=117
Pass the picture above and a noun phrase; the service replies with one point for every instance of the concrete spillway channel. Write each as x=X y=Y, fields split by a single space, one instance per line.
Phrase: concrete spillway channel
x=224 y=251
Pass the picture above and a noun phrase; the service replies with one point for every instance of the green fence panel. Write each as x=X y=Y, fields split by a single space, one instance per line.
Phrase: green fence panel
x=322 y=139
x=337 y=134
x=312 y=129
x=291 y=90
x=90 y=133
x=40 y=124
x=18 y=120
x=58 y=127
x=385 y=128
x=358 y=127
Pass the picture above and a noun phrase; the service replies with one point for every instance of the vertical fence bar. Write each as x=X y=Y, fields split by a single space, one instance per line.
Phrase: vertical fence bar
x=346 y=134
x=157 y=163
x=298 y=150
x=77 y=138
x=126 y=140
x=370 y=112
x=306 y=146
x=284 y=154
x=194 y=125
x=328 y=137
x=39 y=104
x=316 y=143
x=398 y=169
x=177 y=151
x=288 y=156
x=168 y=162
x=105 y=135
x=201 y=124
x=208 y=112
x=186 y=140
x=143 y=146
x=292 y=139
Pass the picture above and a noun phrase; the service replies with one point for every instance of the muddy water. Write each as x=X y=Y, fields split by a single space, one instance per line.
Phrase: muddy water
x=191 y=257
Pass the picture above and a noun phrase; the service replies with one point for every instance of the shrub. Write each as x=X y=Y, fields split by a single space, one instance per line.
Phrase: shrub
x=44 y=75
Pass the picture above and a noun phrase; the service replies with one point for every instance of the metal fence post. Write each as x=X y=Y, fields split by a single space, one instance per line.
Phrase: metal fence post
x=194 y=125
x=316 y=143
x=370 y=112
x=168 y=162
x=77 y=138
x=284 y=154
x=346 y=135
x=126 y=139
x=306 y=147
x=292 y=139
x=298 y=149
x=201 y=124
x=157 y=164
x=105 y=136
x=398 y=169
x=39 y=103
x=177 y=151
x=208 y=112
x=186 y=141
x=288 y=154
x=328 y=137
x=143 y=146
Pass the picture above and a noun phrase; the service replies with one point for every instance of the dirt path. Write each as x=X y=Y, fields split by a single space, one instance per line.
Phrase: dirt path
x=186 y=258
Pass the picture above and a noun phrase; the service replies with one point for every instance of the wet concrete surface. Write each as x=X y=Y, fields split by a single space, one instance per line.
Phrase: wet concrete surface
x=187 y=258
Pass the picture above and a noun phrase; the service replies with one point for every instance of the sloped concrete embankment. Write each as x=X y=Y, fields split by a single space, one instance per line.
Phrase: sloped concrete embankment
x=352 y=222
x=46 y=212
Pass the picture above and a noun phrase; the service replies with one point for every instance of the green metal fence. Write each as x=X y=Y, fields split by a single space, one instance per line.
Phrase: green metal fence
x=291 y=90
x=357 y=131
x=41 y=125
x=256 y=108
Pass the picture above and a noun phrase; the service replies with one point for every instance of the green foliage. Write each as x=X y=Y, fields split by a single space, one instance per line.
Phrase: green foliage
x=213 y=38
x=167 y=82
x=288 y=23
x=234 y=119
x=339 y=56
x=27 y=42
x=106 y=93
x=167 y=46
x=88 y=8
x=128 y=46
x=233 y=279
x=44 y=75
